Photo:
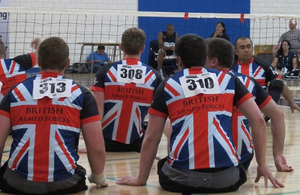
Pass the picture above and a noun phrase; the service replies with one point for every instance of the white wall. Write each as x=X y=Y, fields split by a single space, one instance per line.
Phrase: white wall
x=257 y=6
x=77 y=4
x=275 y=6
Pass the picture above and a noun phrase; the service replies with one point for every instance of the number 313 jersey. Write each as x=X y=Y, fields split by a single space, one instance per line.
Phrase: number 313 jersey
x=128 y=87
x=46 y=125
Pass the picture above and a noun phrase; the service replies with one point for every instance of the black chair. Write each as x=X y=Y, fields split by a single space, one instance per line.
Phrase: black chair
x=153 y=53
x=169 y=63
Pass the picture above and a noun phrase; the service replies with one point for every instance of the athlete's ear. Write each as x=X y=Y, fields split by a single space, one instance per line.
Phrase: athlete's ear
x=122 y=47
x=235 y=52
x=143 y=49
x=67 y=64
x=39 y=62
x=215 y=62
x=180 y=64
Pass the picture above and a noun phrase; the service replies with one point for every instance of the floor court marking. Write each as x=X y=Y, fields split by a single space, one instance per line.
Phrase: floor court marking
x=294 y=192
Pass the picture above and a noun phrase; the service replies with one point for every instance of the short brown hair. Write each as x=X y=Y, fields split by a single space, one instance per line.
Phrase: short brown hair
x=221 y=49
x=53 y=54
x=133 y=40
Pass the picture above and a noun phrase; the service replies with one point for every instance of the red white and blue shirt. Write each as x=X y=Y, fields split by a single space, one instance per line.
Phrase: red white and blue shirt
x=46 y=130
x=201 y=123
x=261 y=71
x=240 y=125
x=12 y=71
x=128 y=87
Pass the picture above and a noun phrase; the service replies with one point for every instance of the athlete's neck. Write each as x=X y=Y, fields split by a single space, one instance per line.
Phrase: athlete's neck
x=223 y=69
x=54 y=71
x=240 y=61
x=132 y=56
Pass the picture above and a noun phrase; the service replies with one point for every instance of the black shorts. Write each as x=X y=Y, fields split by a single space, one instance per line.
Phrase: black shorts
x=207 y=182
x=113 y=146
x=73 y=184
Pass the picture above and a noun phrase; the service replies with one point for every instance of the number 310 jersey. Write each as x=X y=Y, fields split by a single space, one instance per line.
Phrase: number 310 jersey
x=199 y=103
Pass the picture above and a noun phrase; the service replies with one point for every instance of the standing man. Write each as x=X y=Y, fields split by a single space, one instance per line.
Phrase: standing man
x=12 y=71
x=260 y=70
x=293 y=36
x=199 y=102
x=220 y=56
x=124 y=92
x=46 y=113
x=166 y=45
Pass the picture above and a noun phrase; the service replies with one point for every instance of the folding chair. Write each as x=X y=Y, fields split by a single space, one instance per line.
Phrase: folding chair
x=169 y=63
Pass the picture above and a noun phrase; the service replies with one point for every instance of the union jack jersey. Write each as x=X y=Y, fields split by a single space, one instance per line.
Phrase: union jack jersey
x=126 y=103
x=258 y=69
x=46 y=130
x=201 y=136
x=240 y=125
x=12 y=71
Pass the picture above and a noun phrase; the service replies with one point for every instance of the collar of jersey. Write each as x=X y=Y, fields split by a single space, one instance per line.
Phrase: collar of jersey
x=131 y=61
x=247 y=63
x=49 y=74
x=224 y=69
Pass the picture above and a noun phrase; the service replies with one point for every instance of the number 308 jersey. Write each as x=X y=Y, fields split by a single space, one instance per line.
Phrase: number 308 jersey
x=128 y=87
x=199 y=103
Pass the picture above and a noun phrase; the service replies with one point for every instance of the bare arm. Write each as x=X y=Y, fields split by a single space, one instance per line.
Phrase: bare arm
x=160 y=40
x=99 y=96
x=93 y=138
x=4 y=131
x=35 y=44
x=286 y=93
x=274 y=63
x=252 y=113
x=278 y=134
x=90 y=61
x=275 y=49
x=152 y=138
x=295 y=63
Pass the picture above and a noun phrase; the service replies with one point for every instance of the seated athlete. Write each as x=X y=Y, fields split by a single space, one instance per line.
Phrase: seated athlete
x=199 y=103
x=220 y=56
x=46 y=113
x=124 y=91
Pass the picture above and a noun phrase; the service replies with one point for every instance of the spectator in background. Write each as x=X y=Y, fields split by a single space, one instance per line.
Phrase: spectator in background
x=220 y=31
x=46 y=125
x=285 y=58
x=12 y=71
x=166 y=45
x=293 y=36
x=98 y=58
